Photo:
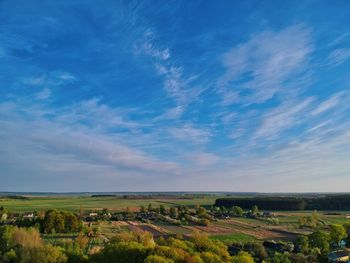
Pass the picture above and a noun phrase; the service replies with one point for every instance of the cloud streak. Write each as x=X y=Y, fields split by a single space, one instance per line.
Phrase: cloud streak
x=261 y=66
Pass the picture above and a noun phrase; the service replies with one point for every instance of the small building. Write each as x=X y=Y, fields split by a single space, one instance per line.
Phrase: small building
x=93 y=214
x=28 y=216
x=339 y=256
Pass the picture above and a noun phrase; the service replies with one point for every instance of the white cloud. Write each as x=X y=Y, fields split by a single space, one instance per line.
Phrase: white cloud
x=177 y=86
x=281 y=118
x=171 y=114
x=339 y=56
x=328 y=104
x=228 y=118
x=67 y=141
x=189 y=133
x=262 y=65
x=44 y=94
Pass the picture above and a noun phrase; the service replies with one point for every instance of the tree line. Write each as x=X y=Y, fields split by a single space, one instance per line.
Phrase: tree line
x=330 y=202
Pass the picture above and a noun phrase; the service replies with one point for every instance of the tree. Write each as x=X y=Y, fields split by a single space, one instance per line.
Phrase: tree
x=162 y=210
x=255 y=210
x=320 y=240
x=210 y=257
x=26 y=237
x=157 y=259
x=201 y=211
x=242 y=257
x=173 y=212
x=204 y=222
x=347 y=229
x=302 y=244
x=143 y=209
x=42 y=254
x=237 y=211
x=257 y=250
x=72 y=223
x=337 y=233
x=281 y=258
x=5 y=238
x=131 y=252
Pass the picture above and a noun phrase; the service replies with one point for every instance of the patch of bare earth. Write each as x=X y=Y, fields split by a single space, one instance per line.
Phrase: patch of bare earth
x=211 y=229
x=259 y=232
x=140 y=227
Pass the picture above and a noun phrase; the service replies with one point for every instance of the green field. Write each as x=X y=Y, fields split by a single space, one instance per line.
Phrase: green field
x=74 y=203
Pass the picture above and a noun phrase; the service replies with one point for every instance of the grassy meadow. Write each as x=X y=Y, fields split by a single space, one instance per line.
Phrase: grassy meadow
x=74 y=203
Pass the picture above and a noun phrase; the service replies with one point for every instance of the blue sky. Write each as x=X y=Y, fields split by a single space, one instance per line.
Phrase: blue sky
x=174 y=95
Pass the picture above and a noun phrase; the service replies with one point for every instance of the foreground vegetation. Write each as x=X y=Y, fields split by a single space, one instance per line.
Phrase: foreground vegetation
x=164 y=231
x=25 y=245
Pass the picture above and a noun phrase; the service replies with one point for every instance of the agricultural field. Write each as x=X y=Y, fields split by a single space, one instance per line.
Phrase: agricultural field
x=284 y=226
x=74 y=203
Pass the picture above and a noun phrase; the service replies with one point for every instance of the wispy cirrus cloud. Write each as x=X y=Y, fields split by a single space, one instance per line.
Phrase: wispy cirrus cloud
x=258 y=69
x=339 y=56
x=43 y=94
x=71 y=137
x=285 y=116
x=328 y=104
x=177 y=86
x=190 y=133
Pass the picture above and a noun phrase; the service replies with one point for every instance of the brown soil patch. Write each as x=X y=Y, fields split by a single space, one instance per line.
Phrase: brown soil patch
x=259 y=231
x=211 y=229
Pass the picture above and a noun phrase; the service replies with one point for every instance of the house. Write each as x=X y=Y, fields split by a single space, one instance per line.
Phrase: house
x=93 y=214
x=28 y=216
x=339 y=256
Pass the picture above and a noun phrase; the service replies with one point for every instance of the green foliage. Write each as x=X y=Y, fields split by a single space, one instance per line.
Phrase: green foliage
x=302 y=244
x=237 y=211
x=60 y=222
x=210 y=257
x=5 y=238
x=243 y=257
x=162 y=210
x=42 y=254
x=311 y=221
x=255 y=210
x=25 y=246
x=201 y=211
x=337 y=233
x=157 y=259
x=204 y=222
x=173 y=212
x=131 y=252
x=143 y=209
x=257 y=250
x=281 y=258
x=320 y=240
x=347 y=230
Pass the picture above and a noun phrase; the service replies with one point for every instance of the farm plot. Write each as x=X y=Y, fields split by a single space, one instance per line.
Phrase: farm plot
x=173 y=229
x=259 y=232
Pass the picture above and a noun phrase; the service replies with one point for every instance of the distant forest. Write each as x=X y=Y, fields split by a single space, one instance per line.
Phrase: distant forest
x=330 y=202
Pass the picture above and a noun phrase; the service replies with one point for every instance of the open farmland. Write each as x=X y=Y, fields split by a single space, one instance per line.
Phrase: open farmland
x=74 y=203
x=284 y=226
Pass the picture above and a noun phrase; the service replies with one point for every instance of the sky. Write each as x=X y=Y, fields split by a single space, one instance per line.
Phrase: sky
x=237 y=96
